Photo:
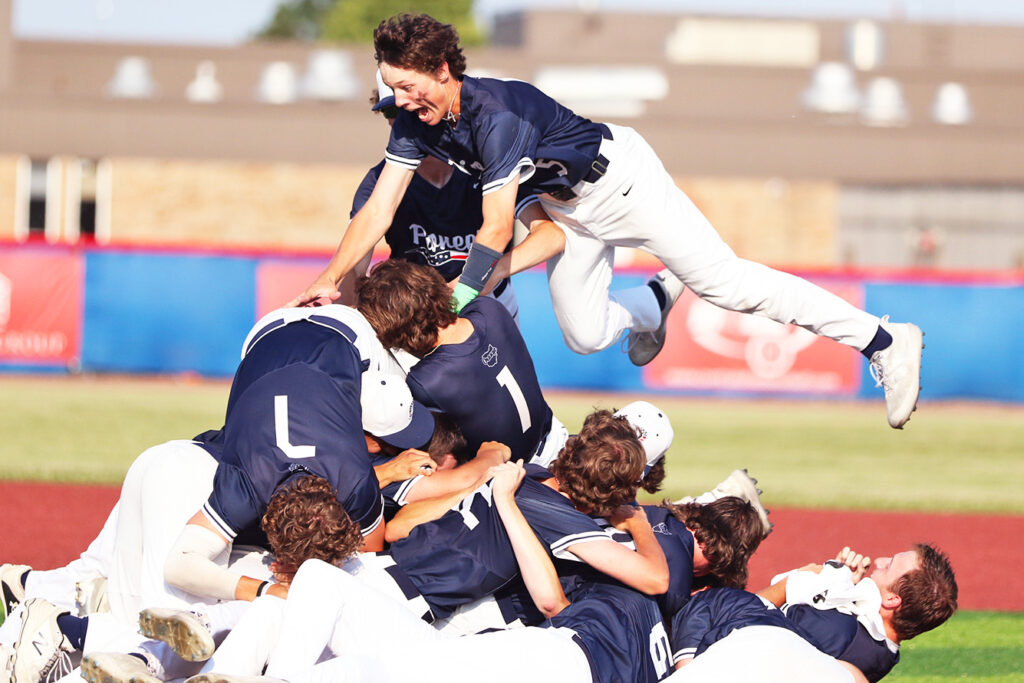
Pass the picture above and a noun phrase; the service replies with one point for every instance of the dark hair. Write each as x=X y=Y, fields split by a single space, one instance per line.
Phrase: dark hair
x=406 y=304
x=928 y=594
x=600 y=468
x=304 y=520
x=419 y=42
x=654 y=478
x=728 y=530
x=447 y=439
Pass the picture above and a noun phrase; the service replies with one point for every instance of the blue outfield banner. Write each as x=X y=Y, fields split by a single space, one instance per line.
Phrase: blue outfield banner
x=166 y=313
x=186 y=311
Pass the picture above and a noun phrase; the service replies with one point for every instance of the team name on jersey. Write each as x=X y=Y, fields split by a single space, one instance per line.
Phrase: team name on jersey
x=433 y=242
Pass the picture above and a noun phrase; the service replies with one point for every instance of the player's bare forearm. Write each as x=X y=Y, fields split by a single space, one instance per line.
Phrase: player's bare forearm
x=406 y=465
x=775 y=594
x=535 y=565
x=420 y=512
x=348 y=283
x=444 y=482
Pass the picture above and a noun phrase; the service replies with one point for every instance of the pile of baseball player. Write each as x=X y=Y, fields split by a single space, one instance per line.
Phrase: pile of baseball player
x=390 y=497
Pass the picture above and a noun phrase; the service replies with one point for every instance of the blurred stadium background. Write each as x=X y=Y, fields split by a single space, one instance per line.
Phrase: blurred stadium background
x=157 y=197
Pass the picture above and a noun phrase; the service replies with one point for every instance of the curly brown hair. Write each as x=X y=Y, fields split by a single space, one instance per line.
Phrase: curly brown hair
x=600 y=468
x=304 y=520
x=419 y=42
x=654 y=478
x=406 y=303
x=728 y=530
x=928 y=594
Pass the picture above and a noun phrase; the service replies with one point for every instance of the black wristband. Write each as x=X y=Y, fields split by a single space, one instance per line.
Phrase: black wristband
x=262 y=588
x=479 y=266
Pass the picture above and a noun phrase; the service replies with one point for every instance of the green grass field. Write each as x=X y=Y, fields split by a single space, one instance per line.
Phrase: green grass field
x=950 y=458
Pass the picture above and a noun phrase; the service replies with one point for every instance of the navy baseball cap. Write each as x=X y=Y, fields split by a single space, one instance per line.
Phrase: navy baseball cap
x=386 y=94
x=391 y=414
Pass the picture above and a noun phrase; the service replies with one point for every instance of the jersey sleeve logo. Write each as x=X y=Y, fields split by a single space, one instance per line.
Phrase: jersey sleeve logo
x=490 y=356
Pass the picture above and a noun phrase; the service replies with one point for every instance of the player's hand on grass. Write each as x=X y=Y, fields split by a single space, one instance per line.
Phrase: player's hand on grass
x=317 y=294
x=857 y=563
x=506 y=478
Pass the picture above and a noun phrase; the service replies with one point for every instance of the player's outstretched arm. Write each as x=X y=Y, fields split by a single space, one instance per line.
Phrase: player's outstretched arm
x=644 y=569
x=191 y=568
x=364 y=231
x=420 y=512
x=535 y=565
x=489 y=243
x=444 y=482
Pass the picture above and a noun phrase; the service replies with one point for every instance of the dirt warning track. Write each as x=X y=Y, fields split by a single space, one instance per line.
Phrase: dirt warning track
x=47 y=525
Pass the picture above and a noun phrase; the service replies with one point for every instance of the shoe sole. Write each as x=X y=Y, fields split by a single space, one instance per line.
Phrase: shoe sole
x=641 y=358
x=916 y=341
x=753 y=496
x=189 y=641
x=95 y=672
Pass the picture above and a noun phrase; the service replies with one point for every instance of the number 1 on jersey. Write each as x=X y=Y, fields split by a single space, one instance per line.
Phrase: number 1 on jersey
x=506 y=380
x=281 y=432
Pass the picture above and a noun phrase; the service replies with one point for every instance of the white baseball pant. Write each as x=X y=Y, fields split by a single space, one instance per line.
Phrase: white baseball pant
x=767 y=654
x=637 y=204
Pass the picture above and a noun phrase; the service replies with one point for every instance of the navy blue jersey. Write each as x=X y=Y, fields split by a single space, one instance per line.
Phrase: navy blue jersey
x=677 y=543
x=620 y=631
x=714 y=613
x=466 y=554
x=504 y=128
x=487 y=384
x=294 y=409
x=432 y=226
x=842 y=636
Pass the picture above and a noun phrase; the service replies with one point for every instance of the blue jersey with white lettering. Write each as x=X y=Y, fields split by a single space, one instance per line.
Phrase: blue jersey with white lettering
x=433 y=226
x=676 y=542
x=504 y=128
x=843 y=637
x=487 y=384
x=294 y=409
x=714 y=613
x=620 y=631
x=466 y=554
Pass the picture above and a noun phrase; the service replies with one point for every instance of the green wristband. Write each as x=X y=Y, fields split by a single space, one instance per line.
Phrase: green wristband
x=462 y=295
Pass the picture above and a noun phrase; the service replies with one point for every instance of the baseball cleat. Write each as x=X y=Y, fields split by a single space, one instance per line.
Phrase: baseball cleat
x=116 y=667
x=741 y=485
x=644 y=346
x=91 y=596
x=897 y=369
x=185 y=632
x=41 y=651
x=11 y=590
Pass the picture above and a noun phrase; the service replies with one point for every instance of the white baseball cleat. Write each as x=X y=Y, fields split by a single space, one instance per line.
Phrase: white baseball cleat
x=741 y=485
x=116 y=667
x=91 y=596
x=187 y=634
x=897 y=369
x=11 y=590
x=41 y=651
x=644 y=346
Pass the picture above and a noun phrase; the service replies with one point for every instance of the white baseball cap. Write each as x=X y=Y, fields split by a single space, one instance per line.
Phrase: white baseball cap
x=653 y=428
x=391 y=414
x=386 y=94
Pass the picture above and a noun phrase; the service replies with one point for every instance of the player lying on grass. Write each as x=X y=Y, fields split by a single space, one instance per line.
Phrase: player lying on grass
x=474 y=367
x=848 y=610
x=605 y=187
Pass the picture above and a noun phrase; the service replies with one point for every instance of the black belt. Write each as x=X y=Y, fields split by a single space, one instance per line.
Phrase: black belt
x=501 y=287
x=597 y=170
